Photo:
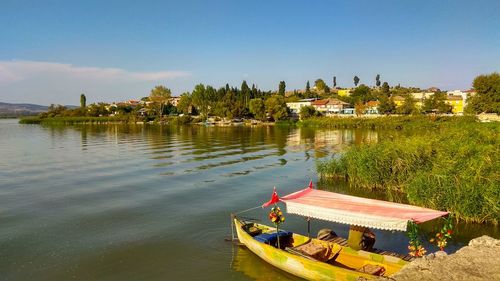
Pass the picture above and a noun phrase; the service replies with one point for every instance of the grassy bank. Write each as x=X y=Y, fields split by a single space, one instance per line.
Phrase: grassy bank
x=172 y=120
x=455 y=167
x=74 y=120
x=386 y=122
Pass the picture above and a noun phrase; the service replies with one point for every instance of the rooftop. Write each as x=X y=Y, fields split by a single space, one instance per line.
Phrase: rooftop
x=454 y=98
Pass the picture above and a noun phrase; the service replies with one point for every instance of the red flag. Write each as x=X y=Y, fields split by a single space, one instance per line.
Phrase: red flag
x=311 y=184
x=274 y=199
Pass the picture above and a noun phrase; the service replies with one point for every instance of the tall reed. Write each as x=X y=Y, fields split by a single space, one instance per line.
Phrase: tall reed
x=386 y=122
x=455 y=168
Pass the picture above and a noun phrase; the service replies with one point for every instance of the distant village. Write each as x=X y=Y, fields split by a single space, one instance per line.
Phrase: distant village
x=456 y=99
x=226 y=104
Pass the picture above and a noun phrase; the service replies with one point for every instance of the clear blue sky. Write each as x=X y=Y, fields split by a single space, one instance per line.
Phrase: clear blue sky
x=51 y=51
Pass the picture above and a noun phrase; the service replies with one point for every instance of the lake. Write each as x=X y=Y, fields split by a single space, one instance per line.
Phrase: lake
x=144 y=202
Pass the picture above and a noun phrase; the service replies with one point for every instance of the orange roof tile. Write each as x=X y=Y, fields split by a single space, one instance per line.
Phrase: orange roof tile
x=373 y=103
x=320 y=102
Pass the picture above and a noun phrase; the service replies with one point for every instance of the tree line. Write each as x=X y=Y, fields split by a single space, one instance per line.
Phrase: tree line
x=251 y=102
x=232 y=102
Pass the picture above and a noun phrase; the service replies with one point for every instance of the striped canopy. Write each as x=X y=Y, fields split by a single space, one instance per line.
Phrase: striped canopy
x=354 y=210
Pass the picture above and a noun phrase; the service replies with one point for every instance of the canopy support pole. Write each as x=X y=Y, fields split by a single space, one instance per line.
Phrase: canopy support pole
x=308 y=227
x=232 y=226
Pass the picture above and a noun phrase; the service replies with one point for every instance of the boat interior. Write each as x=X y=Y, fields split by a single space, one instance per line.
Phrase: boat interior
x=331 y=249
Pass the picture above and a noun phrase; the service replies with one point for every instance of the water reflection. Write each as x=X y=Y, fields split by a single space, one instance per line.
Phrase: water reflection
x=229 y=145
x=190 y=149
x=326 y=142
x=255 y=268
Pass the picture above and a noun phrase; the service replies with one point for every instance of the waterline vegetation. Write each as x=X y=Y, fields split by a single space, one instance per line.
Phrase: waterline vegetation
x=385 y=122
x=454 y=166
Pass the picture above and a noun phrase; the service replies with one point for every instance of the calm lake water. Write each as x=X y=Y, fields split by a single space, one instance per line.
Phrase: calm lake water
x=134 y=202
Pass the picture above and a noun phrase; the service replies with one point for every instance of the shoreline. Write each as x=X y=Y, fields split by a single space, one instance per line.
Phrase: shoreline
x=177 y=120
x=476 y=261
x=380 y=122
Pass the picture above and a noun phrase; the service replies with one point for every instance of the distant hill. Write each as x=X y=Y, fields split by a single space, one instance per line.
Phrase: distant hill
x=20 y=109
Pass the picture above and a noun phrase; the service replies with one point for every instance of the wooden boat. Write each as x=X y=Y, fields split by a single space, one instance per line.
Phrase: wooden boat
x=315 y=259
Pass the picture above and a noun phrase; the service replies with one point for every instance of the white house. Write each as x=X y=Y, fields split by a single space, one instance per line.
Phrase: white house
x=329 y=106
x=422 y=95
x=461 y=93
x=296 y=106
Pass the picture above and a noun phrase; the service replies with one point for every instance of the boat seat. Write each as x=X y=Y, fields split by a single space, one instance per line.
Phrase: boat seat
x=372 y=269
x=320 y=251
x=338 y=240
x=389 y=253
x=299 y=253
x=251 y=229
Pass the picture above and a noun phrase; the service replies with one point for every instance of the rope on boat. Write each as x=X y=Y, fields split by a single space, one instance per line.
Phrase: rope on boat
x=247 y=210
x=248 y=219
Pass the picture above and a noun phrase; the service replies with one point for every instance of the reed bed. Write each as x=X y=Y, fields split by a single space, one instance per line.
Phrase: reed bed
x=386 y=122
x=455 y=168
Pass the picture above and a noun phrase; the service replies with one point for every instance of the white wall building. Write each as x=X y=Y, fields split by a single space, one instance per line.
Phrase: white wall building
x=296 y=106
x=422 y=95
x=461 y=93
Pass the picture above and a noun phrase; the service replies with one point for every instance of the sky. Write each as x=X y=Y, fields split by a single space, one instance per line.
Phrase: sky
x=52 y=51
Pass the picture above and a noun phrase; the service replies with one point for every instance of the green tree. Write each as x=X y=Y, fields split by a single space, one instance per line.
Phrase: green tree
x=123 y=109
x=408 y=106
x=83 y=101
x=201 y=100
x=356 y=81
x=386 y=89
x=308 y=112
x=160 y=95
x=185 y=103
x=258 y=109
x=436 y=103
x=282 y=88
x=377 y=80
x=386 y=105
x=487 y=98
x=334 y=82
x=308 y=90
x=360 y=108
x=99 y=109
x=54 y=111
x=320 y=85
x=362 y=94
x=225 y=105
x=245 y=93
x=429 y=105
x=276 y=107
x=255 y=92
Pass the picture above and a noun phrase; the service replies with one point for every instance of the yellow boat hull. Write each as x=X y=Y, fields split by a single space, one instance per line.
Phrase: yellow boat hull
x=316 y=270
